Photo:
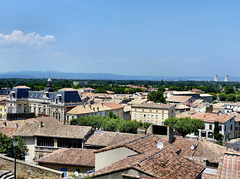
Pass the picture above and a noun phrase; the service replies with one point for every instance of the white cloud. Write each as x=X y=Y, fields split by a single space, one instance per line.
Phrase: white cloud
x=30 y=39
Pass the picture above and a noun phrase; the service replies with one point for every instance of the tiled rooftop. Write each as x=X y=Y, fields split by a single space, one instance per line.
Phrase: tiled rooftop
x=155 y=162
x=179 y=99
x=204 y=149
x=105 y=138
x=113 y=105
x=210 y=117
x=53 y=128
x=71 y=156
x=229 y=167
x=152 y=105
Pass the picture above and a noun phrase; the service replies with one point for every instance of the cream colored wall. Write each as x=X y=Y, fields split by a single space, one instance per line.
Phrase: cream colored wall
x=155 y=116
x=30 y=143
x=109 y=157
x=2 y=111
x=118 y=112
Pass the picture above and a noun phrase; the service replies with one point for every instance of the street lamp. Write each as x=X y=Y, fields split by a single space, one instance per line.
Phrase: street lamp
x=15 y=143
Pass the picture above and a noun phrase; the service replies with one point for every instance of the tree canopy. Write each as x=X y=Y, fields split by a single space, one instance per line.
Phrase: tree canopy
x=185 y=125
x=110 y=123
x=6 y=147
x=156 y=96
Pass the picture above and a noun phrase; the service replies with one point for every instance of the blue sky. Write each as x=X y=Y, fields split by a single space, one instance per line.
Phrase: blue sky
x=128 y=37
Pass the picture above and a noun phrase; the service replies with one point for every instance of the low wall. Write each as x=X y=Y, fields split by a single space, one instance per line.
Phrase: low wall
x=28 y=171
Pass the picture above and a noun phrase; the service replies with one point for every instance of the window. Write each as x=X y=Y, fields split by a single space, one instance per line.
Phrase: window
x=148 y=116
x=210 y=135
x=144 y=115
x=156 y=116
x=152 y=116
x=140 y=120
x=148 y=121
x=236 y=128
x=203 y=133
x=144 y=121
x=152 y=121
x=135 y=115
x=210 y=127
x=45 y=141
x=40 y=156
x=225 y=128
x=220 y=128
x=140 y=115
x=157 y=122
x=231 y=127
x=162 y=123
x=196 y=133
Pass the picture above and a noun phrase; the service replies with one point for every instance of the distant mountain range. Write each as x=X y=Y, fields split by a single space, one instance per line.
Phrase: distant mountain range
x=105 y=76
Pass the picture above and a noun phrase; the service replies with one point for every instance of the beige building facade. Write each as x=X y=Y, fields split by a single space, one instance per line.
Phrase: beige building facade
x=152 y=113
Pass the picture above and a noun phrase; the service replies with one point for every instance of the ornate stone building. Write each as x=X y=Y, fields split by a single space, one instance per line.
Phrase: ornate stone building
x=47 y=102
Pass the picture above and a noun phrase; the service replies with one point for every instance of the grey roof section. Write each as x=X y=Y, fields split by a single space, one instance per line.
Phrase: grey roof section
x=21 y=92
x=66 y=96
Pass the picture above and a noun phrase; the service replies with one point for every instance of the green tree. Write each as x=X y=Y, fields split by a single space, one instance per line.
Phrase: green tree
x=185 y=125
x=230 y=97
x=222 y=96
x=6 y=147
x=157 y=97
x=228 y=89
x=213 y=95
x=238 y=98
x=109 y=123
x=216 y=133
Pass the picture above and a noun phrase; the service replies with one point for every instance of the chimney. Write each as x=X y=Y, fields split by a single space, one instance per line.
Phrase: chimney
x=41 y=124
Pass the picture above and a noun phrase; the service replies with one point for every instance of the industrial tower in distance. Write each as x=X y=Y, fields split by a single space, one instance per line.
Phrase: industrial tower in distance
x=226 y=78
x=216 y=78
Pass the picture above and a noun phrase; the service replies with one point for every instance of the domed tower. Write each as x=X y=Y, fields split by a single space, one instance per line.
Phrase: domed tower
x=49 y=87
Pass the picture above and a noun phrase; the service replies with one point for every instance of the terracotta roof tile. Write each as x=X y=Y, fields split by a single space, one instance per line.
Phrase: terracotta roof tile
x=113 y=105
x=53 y=128
x=140 y=144
x=71 y=156
x=210 y=117
x=163 y=164
x=8 y=131
x=106 y=138
x=204 y=149
x=229 y=166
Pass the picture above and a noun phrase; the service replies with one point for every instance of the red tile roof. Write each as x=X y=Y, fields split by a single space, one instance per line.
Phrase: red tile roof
x=71 y=156
x=8 y=131
x=163 y=164
x=203 y=149
x=229 y=167
x=210 y=117
x=106 y=138
x=113 y=105
x=141 y=144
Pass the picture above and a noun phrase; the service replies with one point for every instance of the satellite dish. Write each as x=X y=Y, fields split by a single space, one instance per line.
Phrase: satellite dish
x=192 y=147
x=160 y=145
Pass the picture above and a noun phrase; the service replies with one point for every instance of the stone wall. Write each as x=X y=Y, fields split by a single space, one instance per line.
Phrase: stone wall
x=28 y=171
